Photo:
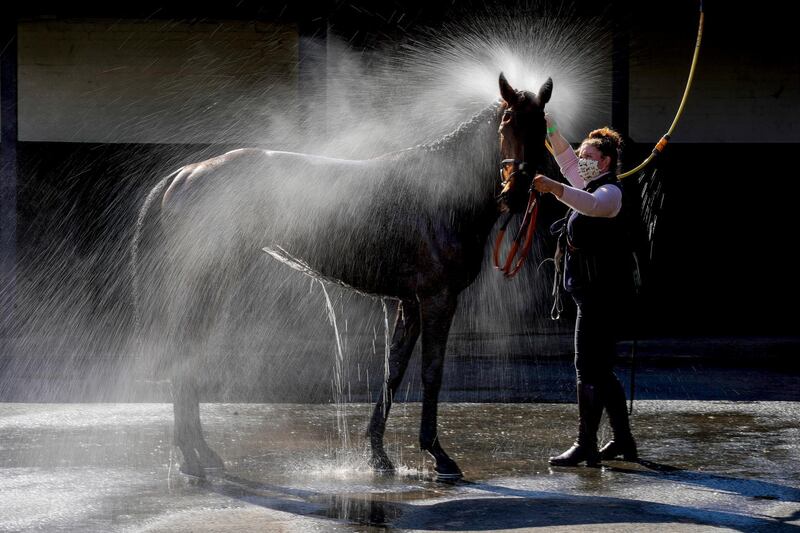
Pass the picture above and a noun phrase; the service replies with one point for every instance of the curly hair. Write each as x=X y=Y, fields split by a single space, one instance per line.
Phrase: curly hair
x=608 y=142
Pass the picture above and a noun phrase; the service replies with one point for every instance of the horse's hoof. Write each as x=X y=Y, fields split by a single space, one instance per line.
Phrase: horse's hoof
x=212 y=461
x=381 y=464
x=447 y=470
x=449 y=477
x=192 y=472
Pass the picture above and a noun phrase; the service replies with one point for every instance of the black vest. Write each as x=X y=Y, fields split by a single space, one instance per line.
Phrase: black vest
x=597 y=252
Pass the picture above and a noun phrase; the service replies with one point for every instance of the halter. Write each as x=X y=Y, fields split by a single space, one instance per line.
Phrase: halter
x=528 y=226
x=521 y=168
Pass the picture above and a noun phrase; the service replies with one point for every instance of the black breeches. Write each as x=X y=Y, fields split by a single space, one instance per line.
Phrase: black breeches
x=596 y=331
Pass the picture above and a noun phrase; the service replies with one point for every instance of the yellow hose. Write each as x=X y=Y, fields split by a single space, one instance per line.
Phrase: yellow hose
x=665 y=139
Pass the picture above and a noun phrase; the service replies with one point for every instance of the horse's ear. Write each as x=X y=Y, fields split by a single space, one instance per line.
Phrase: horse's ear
x=507 y=92
x=545 y=91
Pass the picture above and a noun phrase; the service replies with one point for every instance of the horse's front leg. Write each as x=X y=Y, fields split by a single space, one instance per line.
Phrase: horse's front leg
x=437 y=316
x=406 y=333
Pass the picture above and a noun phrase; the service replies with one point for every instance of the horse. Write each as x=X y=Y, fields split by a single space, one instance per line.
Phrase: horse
x=410 y=225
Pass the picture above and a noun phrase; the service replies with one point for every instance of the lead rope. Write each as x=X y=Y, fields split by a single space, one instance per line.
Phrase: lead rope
x=633 y=373
x=636 y=326
x=558 y=304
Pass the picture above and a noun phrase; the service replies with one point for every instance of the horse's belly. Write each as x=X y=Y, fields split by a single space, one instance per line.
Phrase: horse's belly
x=368 y=257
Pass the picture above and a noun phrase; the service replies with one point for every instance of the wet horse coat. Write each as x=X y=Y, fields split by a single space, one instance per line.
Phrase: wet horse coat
x=411 y=225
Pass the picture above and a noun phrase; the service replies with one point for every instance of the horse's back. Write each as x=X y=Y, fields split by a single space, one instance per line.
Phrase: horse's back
x=265 y=170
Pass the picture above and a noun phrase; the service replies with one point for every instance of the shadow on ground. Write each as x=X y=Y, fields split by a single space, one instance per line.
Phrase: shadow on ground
x=510 y=508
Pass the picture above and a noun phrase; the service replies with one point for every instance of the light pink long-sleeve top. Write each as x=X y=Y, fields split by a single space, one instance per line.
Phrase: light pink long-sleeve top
x=606 y=201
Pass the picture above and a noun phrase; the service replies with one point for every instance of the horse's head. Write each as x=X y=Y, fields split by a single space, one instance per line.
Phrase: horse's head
x=522 y=132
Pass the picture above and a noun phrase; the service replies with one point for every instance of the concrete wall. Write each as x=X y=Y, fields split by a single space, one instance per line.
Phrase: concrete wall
x=152 y=81
x=84 y=80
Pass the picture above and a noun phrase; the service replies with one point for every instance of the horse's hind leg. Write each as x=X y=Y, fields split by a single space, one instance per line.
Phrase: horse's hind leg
x=188 y=432
x=437 y=316
x=406 y=332
x=199 y=314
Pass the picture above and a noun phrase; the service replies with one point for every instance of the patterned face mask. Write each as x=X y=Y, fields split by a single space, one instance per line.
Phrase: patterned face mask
x=588 y=169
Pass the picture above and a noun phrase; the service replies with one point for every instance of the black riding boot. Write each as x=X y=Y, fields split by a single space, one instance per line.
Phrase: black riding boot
x=622 y=443
x=590 y=409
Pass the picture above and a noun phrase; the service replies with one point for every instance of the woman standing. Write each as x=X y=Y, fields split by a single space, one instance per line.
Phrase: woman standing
x=598 y=275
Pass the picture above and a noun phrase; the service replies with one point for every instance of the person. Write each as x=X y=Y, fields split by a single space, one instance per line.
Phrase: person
x=598 y=276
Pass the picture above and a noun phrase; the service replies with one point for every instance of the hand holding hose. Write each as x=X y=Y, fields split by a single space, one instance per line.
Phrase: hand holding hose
x=557 y=141
x=551 y=124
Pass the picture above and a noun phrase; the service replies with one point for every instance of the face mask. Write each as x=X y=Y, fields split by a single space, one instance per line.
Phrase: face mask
x=588 y=169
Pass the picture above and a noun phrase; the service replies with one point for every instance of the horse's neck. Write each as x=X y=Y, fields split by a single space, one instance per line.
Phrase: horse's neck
x=473 y=149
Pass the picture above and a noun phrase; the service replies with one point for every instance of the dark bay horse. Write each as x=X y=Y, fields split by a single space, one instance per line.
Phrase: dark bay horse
x=410 y=225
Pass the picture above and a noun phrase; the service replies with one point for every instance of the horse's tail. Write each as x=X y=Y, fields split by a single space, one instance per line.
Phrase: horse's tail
x=146 y=232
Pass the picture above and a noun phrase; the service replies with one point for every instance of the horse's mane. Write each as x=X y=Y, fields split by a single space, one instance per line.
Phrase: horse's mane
x=463 y=129
x=454 y=137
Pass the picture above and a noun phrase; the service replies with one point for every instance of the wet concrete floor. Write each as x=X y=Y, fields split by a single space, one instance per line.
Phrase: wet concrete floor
x=707 y=465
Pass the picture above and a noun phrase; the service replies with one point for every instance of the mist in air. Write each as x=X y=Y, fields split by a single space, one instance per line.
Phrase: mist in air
x=271 y=332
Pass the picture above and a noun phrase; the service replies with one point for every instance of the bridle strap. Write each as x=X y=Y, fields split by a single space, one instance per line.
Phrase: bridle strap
x=520 y=167
x=527 y=228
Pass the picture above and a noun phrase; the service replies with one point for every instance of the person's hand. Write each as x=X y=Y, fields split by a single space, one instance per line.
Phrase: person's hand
x=544 y=184
x=552 y=127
